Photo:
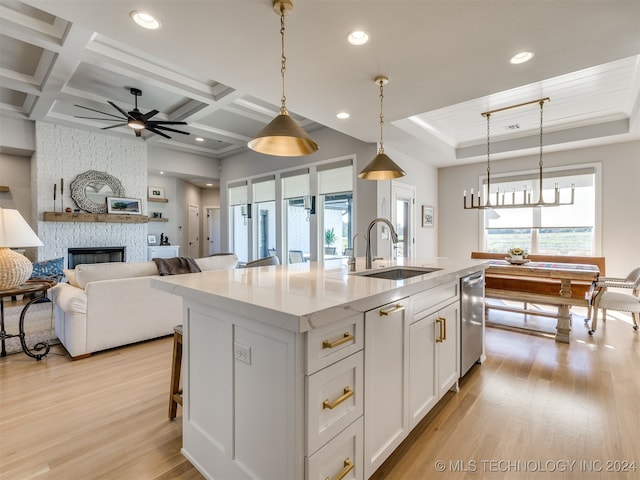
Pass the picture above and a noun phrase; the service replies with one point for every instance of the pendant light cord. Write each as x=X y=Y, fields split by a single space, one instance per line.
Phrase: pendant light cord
x=381 y=116
x=488 y=157
x=283 y=58
x=541 y=103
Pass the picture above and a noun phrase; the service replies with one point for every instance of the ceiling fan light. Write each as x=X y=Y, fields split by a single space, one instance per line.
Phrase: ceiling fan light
x=145 y=20
x=136 y=124
x=283 y=137
x=381 y=168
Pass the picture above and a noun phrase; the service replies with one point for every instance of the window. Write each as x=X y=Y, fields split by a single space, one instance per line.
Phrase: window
x=238 y=219
x=335 y=185
x=295 y=188
x=563 y=230
x=264 y=201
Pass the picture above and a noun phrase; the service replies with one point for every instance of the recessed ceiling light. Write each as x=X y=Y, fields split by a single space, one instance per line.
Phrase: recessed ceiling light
x=521 y=57
x=199 y=139
x=342 y=115
x=209 y=184
x=145 y=20
x=358 y=37
x=161 y=172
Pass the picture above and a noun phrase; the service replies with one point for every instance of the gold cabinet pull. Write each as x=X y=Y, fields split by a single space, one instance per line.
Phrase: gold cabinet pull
x=346 y=337
x=442 y=327
x=348 y=466
x=391 y=310
x=348 y=393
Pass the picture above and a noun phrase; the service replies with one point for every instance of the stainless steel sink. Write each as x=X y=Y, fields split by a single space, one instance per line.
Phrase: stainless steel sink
x=398 y=273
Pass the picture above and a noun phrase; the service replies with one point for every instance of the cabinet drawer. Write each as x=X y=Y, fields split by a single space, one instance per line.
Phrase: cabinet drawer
x=433 y=299
x=334 y=400
x=327 y=345
x=341 y=455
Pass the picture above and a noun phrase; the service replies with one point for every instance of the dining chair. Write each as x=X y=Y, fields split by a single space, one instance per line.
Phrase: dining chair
x=348 y=252
x=271 y=251
x=601 y=285
x=621 y=302
x=296 y=256
x=263 y=262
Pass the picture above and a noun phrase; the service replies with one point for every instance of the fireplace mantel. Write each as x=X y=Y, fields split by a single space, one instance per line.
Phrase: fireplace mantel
x=93 y=217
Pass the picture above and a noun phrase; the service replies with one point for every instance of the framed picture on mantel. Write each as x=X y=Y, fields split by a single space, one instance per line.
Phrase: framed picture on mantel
x=126 y=206
x=156 y=192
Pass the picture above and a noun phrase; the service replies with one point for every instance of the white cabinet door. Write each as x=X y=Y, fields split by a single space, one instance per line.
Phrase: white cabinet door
x=386 y=379
x=423 y=391
x=448 y=349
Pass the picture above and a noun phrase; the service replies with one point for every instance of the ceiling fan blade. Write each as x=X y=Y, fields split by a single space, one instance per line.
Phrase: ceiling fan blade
x=119 y=109
x=158 y=132
x=162 y=122
x=160 y=127
x=102 y=119
x=150 y=114
x=98 y=111
x=114 y=126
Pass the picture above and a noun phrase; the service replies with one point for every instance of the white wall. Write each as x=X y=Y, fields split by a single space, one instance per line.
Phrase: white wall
x=458 y=228
x=63 y=152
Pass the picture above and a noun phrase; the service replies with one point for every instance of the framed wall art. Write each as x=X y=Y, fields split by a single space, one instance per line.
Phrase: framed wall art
x=126 y=206
x=427 y=215
x=155 y=192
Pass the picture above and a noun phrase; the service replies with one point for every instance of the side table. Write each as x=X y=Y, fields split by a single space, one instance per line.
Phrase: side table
x=39 y=288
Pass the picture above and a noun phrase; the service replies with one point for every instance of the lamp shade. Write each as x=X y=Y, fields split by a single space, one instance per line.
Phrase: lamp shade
x=15 y=232
x=381 y=168
x=15 y=269
x=283 y=137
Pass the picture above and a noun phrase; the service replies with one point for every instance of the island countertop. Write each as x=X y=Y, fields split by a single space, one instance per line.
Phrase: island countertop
x=302 y=296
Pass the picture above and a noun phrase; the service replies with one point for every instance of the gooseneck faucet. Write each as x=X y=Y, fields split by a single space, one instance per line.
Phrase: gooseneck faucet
x=394 y=238
x=352 y=258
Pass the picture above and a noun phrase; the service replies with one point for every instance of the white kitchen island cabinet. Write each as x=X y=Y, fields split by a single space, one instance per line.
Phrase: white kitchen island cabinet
x=280 y=365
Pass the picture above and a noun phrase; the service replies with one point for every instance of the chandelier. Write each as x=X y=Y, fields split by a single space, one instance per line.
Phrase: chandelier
x=508 y=199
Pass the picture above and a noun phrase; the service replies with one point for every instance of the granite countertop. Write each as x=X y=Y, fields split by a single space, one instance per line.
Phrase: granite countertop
x=302 y=296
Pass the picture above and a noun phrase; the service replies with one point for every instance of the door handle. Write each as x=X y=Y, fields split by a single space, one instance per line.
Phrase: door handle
x=442 y=329
x=392 y=310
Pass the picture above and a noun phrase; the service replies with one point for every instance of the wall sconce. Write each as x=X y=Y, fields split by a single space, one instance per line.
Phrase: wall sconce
x=246 y=212
x=310 y=205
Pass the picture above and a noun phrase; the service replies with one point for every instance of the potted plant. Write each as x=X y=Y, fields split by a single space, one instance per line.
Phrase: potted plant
x=329 y=237
x=518 y=253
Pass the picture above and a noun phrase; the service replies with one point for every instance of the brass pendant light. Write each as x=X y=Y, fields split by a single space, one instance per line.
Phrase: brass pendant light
x=283 y=137
x=381 y=167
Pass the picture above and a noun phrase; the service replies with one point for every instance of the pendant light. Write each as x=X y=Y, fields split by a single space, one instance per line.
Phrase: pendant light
x=510 y=201
x=283 y=137
x=381 y=167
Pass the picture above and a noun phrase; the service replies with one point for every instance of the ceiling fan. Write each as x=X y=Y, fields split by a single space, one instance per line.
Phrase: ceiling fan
x=136 y=119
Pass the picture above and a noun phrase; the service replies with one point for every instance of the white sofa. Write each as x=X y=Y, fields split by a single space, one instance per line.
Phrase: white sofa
x=107 y=305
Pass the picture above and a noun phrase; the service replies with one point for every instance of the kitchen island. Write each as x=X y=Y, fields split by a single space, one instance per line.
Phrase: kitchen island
x=307 y=371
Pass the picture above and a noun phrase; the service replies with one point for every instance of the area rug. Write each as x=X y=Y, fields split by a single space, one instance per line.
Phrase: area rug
x=38 y=325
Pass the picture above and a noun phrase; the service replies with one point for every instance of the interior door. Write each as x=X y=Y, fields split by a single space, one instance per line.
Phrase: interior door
x=403 y=219
x=193 y=231
x=213 y=230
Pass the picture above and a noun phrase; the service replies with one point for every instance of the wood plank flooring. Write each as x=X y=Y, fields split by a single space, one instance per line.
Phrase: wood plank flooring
x=533 y=405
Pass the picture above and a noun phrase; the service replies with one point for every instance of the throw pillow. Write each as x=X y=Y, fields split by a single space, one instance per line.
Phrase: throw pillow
x=71 y=277
x=50 y=269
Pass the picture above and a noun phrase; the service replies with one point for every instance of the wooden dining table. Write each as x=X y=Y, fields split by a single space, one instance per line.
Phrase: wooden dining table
x=514 y=274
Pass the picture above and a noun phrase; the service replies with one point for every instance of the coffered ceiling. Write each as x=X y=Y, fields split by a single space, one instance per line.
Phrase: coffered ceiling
x=216 y=66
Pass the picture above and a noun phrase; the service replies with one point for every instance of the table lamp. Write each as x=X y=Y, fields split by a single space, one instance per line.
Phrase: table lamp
x=15 y=269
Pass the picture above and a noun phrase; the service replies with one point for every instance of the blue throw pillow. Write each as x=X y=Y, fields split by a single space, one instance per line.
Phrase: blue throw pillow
x=51 y=269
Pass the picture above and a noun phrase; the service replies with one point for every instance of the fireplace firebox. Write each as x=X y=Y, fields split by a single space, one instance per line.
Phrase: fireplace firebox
x=76 y=256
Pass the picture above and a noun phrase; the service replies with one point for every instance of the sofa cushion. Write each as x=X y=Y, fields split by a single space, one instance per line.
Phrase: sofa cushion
x=92 y=272
x=217 y=262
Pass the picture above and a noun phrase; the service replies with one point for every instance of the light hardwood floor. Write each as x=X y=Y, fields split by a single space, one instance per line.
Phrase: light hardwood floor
x=534 y=405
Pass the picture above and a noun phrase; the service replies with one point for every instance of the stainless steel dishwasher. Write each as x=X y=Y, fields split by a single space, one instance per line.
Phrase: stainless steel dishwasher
x=472 y=322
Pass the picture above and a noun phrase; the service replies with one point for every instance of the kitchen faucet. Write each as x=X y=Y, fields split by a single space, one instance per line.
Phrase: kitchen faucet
x=394 y=238
x=352 y=258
